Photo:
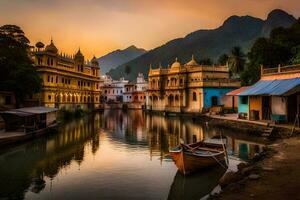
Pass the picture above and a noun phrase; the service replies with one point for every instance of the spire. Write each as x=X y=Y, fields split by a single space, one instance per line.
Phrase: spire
x=176 y=59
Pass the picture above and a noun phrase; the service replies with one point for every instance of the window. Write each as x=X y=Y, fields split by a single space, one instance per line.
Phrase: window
x=180 y=81
x=105 y=91
x=194 y=96
x=48 y=78
x=244 y=100
x=51 y=79
x=69 y=81
x=56 y=80
x=62 y=80
x=49 y=97
x=214 y=100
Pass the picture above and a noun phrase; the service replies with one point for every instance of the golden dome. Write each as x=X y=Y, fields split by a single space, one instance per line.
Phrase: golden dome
x=192 y=62
x=176 y=64
x=51 y=48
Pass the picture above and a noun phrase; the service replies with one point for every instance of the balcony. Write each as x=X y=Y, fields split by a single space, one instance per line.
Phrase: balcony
x=279 y=70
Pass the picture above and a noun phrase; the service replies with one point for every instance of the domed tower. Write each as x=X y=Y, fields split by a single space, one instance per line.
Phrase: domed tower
x=192 y=62
x=95 y=67
x=79 y=61
x=51 y=48
x=51 y=54
x=39 y=45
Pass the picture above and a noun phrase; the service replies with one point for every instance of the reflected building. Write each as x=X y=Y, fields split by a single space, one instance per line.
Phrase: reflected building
x=48 y=156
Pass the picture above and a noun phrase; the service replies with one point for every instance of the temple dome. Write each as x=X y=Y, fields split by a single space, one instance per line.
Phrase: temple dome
x=176 y=64
x=39 y=45
x=51 y=48
x=192 y=62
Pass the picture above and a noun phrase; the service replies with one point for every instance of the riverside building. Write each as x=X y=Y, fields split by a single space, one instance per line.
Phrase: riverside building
x=68 y=81
x=190 y=87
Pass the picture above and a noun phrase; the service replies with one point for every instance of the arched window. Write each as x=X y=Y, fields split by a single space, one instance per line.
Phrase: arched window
x=194 y=96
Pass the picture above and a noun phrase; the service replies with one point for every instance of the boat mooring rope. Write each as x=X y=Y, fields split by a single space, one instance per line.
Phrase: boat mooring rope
x=218 y=161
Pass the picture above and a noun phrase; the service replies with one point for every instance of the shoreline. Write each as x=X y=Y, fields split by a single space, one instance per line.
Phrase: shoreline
x=274 y=175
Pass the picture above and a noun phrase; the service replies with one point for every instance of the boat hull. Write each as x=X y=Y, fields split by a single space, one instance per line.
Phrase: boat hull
x=188 y=163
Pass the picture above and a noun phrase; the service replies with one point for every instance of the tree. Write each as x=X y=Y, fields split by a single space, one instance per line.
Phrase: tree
x=15 y=32
x=223 y=59
x=17 y=73
x=236 y=60
x=283 y=47
x=127 y=69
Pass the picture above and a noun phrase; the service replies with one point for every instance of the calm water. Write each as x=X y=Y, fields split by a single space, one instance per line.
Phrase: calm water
x=114 y=155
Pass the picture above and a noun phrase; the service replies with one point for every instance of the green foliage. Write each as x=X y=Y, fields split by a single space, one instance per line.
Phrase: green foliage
x=223 y=59
x=17 y=73
x=16 y=33
x=283 y=47
x=236 y=60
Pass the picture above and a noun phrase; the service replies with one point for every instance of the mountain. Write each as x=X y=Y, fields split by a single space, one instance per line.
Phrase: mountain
x=119 y=57
x=235 y=31
x=277 y=18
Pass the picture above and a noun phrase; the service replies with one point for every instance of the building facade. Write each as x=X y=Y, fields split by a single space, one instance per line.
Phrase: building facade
x=113 y=90
x=68 y=81
x=190 y=87
x=136 y=93
x=275 y=97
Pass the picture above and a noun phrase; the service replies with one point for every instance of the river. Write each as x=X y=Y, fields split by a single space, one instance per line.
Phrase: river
x=115 y=155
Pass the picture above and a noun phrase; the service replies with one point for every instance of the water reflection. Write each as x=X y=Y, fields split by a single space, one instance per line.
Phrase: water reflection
x=111 y=156
x=197 y=186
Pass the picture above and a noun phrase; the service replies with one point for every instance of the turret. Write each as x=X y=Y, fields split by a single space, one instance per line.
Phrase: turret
x=79 y=61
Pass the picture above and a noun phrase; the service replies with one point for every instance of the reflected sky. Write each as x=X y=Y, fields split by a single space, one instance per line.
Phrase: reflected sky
x=111 y=156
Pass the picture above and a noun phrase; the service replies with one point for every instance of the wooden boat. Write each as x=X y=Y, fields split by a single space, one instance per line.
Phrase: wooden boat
x=196 y=156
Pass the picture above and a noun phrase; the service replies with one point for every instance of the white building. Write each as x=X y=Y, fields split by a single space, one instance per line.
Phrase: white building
x=113 y=90
x=136 y=92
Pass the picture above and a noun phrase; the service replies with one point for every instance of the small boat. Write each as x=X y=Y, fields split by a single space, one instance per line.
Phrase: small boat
x=196 y=156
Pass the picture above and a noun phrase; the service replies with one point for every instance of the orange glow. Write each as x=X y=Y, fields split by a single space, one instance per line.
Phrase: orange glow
x=100 y=26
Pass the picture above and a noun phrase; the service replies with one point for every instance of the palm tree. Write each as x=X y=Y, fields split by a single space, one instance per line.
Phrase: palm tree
x=236 y=60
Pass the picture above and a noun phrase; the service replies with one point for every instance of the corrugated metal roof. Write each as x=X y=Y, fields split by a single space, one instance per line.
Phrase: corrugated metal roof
x=271 y=87
x=237 y=91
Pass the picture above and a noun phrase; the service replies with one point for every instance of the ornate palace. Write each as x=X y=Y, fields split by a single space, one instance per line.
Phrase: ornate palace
x=190 y=87
x=68 y=81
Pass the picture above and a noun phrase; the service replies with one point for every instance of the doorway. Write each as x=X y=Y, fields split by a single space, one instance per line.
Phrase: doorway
x=266 y=108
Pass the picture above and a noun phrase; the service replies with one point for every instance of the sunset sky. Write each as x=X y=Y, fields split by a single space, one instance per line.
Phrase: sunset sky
x=100 y=26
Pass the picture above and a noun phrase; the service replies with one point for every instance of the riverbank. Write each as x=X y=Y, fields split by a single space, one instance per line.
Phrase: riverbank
x=276 y=176
x=231 y=122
